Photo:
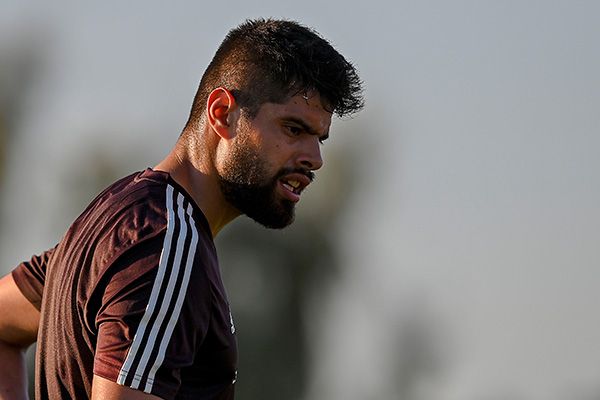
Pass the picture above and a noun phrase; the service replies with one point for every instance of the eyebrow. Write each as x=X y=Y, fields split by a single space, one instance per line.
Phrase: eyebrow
x=307 y=128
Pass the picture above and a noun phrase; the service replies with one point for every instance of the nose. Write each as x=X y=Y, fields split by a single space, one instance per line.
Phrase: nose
x=310 y=155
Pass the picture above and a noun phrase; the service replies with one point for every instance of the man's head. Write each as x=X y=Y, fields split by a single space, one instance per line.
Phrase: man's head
x=266 y=162
x=268 y=95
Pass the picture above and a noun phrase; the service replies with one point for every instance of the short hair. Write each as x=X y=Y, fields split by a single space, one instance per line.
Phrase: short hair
x=268 y=60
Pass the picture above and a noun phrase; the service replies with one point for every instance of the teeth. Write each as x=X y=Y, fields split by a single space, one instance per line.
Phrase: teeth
x=292 y=186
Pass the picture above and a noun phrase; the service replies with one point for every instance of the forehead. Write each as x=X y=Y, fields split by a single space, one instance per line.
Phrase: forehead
x=307 y=107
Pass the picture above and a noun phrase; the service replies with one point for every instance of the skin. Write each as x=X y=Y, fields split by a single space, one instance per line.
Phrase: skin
x=285 y=135
x=19 y=321
x=265 y=190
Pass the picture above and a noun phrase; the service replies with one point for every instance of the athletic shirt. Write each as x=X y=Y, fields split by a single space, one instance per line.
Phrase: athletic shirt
x=133 y=293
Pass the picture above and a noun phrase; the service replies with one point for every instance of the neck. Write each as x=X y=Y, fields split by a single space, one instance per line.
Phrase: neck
x=196 y=174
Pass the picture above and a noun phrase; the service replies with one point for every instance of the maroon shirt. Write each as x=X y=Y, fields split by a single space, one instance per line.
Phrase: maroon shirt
x=133 y=293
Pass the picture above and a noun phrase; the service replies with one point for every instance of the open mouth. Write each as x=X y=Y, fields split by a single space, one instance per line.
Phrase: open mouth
x=292 y=185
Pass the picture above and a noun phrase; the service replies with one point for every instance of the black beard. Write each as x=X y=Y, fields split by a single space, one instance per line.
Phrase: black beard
x=259 y=202
x=248 y=186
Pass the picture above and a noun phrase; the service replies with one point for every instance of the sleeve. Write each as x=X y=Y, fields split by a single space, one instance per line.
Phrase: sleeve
x=154 y=313
x=30 y=277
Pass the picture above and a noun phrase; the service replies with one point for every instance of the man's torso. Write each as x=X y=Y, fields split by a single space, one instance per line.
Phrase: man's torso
x=133 y=293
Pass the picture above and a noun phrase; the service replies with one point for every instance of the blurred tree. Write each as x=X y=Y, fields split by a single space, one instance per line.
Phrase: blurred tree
x=268 y=274
x=95 y=166
x=418 y=357
x=21 y=62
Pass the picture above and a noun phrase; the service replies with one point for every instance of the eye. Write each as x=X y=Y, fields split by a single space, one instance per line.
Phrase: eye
x=293 y=130
x=323 y=138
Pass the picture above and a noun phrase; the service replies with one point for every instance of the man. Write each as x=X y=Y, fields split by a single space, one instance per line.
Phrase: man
x=130 y=303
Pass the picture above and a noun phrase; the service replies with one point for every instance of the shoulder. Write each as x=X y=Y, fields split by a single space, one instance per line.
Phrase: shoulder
x=128 y=212
x=147 y=205
x=134 y=207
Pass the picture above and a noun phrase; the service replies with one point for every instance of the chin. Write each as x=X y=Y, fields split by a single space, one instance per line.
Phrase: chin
x=275 y=220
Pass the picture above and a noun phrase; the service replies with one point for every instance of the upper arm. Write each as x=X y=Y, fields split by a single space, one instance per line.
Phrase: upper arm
x=19 y=319
x=105 y=389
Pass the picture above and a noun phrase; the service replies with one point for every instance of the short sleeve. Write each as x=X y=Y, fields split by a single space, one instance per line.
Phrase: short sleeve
x=154 y=313
x=30 y=277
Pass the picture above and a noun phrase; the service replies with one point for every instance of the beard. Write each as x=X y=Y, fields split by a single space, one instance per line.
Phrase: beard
x=249 y=187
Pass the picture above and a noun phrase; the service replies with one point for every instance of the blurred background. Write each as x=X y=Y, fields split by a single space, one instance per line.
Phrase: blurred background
x=450 y=247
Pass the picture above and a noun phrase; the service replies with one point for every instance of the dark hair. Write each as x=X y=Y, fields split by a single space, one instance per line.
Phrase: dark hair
x=268 y=60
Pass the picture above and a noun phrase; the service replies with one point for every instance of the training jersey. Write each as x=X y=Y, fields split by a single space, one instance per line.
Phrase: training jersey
x=133 y=293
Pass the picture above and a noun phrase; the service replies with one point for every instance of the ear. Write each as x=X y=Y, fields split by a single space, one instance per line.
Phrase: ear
x=221 y=109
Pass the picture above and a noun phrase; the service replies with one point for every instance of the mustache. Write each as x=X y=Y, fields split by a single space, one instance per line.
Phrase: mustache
x=306 y=172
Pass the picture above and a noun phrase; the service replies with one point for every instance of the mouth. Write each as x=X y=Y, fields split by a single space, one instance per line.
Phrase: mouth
x=293 y=184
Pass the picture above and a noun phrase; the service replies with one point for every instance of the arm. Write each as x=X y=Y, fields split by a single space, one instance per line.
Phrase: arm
x=108 y=390
x=19 y=321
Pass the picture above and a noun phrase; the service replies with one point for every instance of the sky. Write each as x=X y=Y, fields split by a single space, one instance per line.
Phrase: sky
x=476 y=210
